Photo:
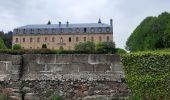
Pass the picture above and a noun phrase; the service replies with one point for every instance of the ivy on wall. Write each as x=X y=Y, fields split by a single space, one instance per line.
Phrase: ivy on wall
x=148 y=74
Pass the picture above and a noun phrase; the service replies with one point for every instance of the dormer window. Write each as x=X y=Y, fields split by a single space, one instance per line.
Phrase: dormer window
x=77 y=30
x=100 y=29
x=85 y=30
x=61 y=30
x=46 y=30
x=108 y=29
x=92 y=30
x=53 y=30
x=24 y=31
x=70 y=30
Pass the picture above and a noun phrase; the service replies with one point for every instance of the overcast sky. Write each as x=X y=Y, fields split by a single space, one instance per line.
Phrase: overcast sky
x=126 y=14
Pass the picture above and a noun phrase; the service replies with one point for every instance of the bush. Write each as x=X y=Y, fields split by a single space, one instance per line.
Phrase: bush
x=56 y=97
x=148 y=74
x=16 y=47
x=2 y=45
x=85 y=47
x=120 y=51
x=105 y=47
x=44 y=46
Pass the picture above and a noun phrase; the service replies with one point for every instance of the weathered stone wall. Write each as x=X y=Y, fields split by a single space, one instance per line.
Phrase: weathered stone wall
x=9 y=67
x=74 y=76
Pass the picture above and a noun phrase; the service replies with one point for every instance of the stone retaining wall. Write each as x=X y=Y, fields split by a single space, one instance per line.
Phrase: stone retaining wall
x=74 y=76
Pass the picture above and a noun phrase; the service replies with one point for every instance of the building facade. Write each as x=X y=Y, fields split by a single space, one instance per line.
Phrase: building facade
x=65 y=36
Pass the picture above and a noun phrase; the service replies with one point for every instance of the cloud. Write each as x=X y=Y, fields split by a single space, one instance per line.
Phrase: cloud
x=126 y=14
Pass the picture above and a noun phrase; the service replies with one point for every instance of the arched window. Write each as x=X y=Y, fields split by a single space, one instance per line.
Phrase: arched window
x=61 y=40
x=77 y=39
x=84 y=38
x=45 y=39
x=100 y=38
x=92 y=39
x=30 y=39
x=16 y=40
x=69 y=39
x=23 y=40
x=53 y=39
x=38 y=39
x=108 y=39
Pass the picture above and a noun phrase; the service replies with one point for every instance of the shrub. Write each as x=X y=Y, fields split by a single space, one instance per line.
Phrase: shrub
x=44 y=46
x=148 y=74
x=16 y=47
x=2 y=45
x=56 y=97
x=120 y=51
x=105 y=47
x=85 y=47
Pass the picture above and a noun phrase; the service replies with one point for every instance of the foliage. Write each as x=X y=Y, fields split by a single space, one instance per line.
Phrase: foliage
x=148 y=74
x=7 y=38
x=16 y=47
x=4 y=97
x=2 y=45
x=120 y=51
x=56 y=97
x=86 y=46
x=153 y=33
x=44 y=46
x=105 y=47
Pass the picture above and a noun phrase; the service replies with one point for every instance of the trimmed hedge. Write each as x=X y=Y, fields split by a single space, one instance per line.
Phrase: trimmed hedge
x=148 y=74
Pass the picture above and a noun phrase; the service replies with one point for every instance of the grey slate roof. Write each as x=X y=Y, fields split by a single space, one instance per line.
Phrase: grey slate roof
x=64 y=28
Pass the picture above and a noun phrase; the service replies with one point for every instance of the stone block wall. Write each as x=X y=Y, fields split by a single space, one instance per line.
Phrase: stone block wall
x=74 y=76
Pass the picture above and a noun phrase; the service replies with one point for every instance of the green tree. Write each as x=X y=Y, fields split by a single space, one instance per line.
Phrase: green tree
x=2 y=45
x=105 y=47
x=150 y=34
x=44 y=46
x=16 y=47
x=7 y=38
x=86 y=46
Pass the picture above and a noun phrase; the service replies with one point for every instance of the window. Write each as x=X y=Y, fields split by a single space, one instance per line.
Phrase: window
x=61 y=30
x=85 y=30
x=23 y=40
x=77 y=39
x=45 y=39
x=77 y=30
x=53 y=39
x=100 y=38
x=61 y=40
x=38 y=39
x=84 y=38
x=69 y=39
x=108 y=29
x=30 y=39
x=92 y=39
x=100 y=29
x=53 y=30
x=108 y=38
x=24 y=31
x=92 y=30
x=16 y=40
x=70 y=30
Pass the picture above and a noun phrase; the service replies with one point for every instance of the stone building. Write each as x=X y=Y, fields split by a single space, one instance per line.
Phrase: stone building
x=65 y=36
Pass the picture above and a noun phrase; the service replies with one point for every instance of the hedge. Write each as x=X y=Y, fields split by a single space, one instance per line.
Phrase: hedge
x=148 y=74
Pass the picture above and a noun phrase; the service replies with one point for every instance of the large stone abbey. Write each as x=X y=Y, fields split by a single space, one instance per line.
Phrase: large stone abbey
x=65 y=36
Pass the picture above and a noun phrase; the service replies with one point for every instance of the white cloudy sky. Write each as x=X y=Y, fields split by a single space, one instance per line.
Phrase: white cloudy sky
x=126 y=14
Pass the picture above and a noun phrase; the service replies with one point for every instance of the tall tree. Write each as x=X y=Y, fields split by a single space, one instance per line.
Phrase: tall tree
x=151 y=34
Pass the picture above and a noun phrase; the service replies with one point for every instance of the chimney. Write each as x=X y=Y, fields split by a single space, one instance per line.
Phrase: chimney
x=59 y=24
x=111 y=22
x=99 y=21
x=67 y=23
